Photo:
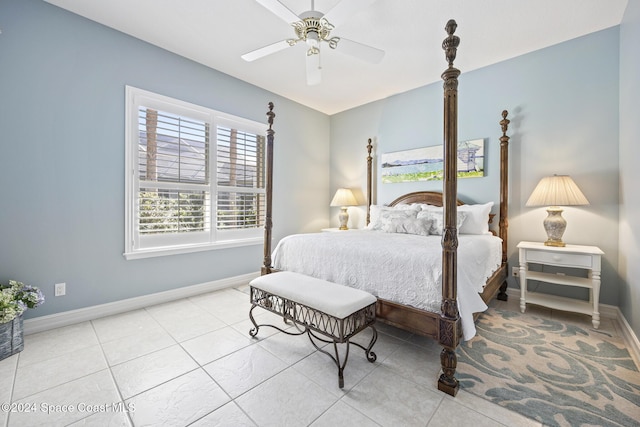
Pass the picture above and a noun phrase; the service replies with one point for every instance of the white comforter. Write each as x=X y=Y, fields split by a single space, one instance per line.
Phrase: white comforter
x=404 y=268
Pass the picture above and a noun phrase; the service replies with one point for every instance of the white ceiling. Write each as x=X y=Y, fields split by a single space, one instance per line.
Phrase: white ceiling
x=216 y=32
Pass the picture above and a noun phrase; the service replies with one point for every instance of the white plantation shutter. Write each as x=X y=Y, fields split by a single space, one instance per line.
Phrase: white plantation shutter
x=174 y=202
x=173 y=173
x=240 y=179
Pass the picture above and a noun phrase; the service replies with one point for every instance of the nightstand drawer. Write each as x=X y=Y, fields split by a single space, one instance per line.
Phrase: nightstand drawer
x=558 y=258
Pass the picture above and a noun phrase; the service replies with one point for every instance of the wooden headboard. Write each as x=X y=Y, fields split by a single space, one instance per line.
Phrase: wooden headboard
x=434 y=198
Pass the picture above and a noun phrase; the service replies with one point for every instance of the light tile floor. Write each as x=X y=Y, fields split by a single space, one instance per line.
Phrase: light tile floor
x=192 y=362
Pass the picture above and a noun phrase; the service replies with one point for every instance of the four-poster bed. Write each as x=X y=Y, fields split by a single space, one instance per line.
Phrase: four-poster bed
x=444 y=322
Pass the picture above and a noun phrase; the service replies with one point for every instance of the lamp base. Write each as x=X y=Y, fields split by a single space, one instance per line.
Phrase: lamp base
x=555 y=243
x=343 y=217
x=554 y=225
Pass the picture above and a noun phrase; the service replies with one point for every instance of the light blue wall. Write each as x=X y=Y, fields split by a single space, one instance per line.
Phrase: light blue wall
x=563 y=105
x=62 y=86
x=629 y=265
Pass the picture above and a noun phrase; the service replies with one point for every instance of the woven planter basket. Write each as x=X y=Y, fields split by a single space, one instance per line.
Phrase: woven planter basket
x=11 y=337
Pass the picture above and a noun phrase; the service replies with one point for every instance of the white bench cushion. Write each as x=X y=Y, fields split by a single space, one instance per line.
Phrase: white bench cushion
x=335 y=300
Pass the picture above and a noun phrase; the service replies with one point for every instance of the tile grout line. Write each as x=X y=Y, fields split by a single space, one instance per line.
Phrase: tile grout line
x=13 y=384
x=115 y=383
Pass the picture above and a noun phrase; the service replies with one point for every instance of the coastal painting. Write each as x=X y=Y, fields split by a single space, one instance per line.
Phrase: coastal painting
x=426 y=164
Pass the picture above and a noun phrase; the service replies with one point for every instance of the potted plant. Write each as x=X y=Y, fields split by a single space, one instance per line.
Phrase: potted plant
x=15 y=299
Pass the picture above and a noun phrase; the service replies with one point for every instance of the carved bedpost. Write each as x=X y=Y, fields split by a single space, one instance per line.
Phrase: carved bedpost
x=450 y=327
x=268 y=224
x=369 y=180
x=503 y=226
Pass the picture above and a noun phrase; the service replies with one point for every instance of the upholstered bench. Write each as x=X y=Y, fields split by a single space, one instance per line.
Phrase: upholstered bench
x=316 y=306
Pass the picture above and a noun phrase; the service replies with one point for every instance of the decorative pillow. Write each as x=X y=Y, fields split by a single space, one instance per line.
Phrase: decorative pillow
x=437 y=220
x=477 y=221
x=427 y=207
x=399 y=214
x=405 y=224
x=420 y=206
x=377 y=210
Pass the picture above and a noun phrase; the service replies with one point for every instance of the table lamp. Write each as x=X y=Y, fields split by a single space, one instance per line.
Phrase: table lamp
x=343 y=198
x=555 y=191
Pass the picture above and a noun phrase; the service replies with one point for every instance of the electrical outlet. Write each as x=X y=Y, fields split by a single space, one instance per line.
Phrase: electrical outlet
x=59 y=289
x=515 y=271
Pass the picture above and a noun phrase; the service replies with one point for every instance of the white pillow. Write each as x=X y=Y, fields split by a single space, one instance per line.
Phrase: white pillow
x=376 y=211
x=405 y=224
x=477 y=221
x=426 y=207
x=423 y=206
x=437 y=220
x=477 y=217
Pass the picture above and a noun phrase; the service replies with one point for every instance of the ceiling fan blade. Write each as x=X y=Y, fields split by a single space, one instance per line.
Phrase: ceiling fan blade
x=264 y=51
x=314 y=75
x=343 y=10
x=360 y=51
x=280 y=10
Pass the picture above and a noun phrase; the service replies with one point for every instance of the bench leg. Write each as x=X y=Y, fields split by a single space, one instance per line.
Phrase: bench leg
x=341 y=368
x=336 y=358
x=371 y=356
x=254 y=331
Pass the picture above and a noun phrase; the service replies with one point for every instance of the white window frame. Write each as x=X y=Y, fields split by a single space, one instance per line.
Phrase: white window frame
x=159 y=245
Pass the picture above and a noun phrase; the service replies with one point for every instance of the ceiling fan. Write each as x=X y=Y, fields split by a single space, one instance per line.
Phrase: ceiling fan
x=314 y=28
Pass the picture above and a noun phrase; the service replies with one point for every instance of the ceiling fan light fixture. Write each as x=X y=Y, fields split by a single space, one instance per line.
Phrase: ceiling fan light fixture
x=313 y=28
x=312 y=38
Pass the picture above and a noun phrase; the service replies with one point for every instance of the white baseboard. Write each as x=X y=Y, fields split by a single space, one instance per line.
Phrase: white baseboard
x=629 y=336
x=66 y=318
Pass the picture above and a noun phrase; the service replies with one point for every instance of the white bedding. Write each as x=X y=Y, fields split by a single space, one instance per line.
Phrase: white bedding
x=403 y=268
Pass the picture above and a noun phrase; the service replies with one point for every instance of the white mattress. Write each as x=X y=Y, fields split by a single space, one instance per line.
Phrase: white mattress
x=403 y=268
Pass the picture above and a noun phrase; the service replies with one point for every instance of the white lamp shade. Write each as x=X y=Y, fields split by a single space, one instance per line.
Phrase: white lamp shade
x=557 y=190
x=344 y=197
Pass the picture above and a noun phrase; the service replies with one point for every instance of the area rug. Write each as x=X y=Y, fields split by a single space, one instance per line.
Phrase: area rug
x=559 y=374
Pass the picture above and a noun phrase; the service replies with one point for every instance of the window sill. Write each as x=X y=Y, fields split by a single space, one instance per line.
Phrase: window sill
x=177 y=250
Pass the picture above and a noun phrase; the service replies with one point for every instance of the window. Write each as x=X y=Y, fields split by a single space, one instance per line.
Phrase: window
x=195 y=178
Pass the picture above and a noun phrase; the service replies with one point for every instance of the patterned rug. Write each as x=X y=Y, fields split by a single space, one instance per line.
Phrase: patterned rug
x=557 y=373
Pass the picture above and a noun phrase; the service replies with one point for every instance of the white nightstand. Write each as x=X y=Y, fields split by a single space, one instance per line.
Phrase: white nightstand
x=331 y=230
x=570 y=256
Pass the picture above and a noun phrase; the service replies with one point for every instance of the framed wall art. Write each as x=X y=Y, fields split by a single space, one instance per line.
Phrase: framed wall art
x=426 y=164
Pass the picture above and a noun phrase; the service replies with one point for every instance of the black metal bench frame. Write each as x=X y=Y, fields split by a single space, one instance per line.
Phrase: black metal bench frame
x=339 y=331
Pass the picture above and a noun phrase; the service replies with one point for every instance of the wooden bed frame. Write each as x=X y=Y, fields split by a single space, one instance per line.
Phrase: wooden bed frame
x=444 y=326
